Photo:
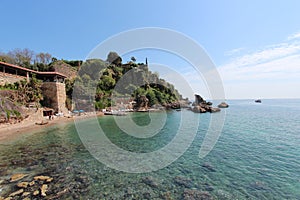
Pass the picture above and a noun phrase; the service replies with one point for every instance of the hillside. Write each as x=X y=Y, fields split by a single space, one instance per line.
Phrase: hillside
x=130 y=82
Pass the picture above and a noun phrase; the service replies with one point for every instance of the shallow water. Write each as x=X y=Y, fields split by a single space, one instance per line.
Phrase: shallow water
x=256 y=157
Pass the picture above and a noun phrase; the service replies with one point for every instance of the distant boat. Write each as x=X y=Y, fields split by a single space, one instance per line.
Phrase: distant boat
x=257 y=101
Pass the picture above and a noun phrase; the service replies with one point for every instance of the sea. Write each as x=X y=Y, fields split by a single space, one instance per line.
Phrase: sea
x=255 y=156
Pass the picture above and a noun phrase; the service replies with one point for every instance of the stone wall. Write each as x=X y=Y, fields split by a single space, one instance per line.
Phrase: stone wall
x=9 y=78
x=55 y=96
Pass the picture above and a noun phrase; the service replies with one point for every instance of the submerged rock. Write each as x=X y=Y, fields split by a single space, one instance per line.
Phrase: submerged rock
x=17 y=177
x=196 y=195
x=36 y=192
x=148 y=180
x=23 y=184
x=208 y=166
x=48 y=179
x=44 y=190
x=25 y=194
x=16 y=193
x=182 y=181
x=31 y=183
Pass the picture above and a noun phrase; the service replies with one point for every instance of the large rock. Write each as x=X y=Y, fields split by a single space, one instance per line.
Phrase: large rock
x=223 y=105
x=198 y=99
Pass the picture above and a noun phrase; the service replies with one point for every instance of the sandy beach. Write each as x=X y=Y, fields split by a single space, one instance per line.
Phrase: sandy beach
x=10 y=131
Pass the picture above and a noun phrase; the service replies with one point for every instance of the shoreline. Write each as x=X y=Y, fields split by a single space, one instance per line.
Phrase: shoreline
x=12 y=131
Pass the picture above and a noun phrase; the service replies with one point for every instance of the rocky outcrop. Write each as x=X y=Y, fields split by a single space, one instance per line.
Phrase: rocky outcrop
x=10 y=111
x=223 y=105
x=141 y=103
x=202 y=106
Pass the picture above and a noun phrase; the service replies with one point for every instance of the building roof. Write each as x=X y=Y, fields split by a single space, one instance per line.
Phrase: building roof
x=32 y=71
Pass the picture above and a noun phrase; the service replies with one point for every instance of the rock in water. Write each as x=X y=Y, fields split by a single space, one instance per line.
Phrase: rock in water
x=199 y=109
x=17 y=177
x=213 y=110
x=223 y=105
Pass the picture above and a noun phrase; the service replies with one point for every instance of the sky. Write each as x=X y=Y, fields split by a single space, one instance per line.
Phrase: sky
x=255 y=45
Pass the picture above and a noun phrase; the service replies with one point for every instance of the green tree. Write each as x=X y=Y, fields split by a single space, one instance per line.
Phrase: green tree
x=151 y=97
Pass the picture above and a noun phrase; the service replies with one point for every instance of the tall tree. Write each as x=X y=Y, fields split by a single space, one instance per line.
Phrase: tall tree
x=44 y=58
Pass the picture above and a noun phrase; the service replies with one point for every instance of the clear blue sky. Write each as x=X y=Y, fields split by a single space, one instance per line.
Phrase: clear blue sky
x=254 y=44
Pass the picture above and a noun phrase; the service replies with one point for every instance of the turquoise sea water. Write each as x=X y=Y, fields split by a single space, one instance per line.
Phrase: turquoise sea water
x=256 y=157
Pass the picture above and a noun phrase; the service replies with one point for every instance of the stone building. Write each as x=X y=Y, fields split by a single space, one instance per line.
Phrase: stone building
x=53 y=87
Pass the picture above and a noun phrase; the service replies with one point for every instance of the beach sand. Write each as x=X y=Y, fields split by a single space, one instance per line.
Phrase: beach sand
x=9 y=131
